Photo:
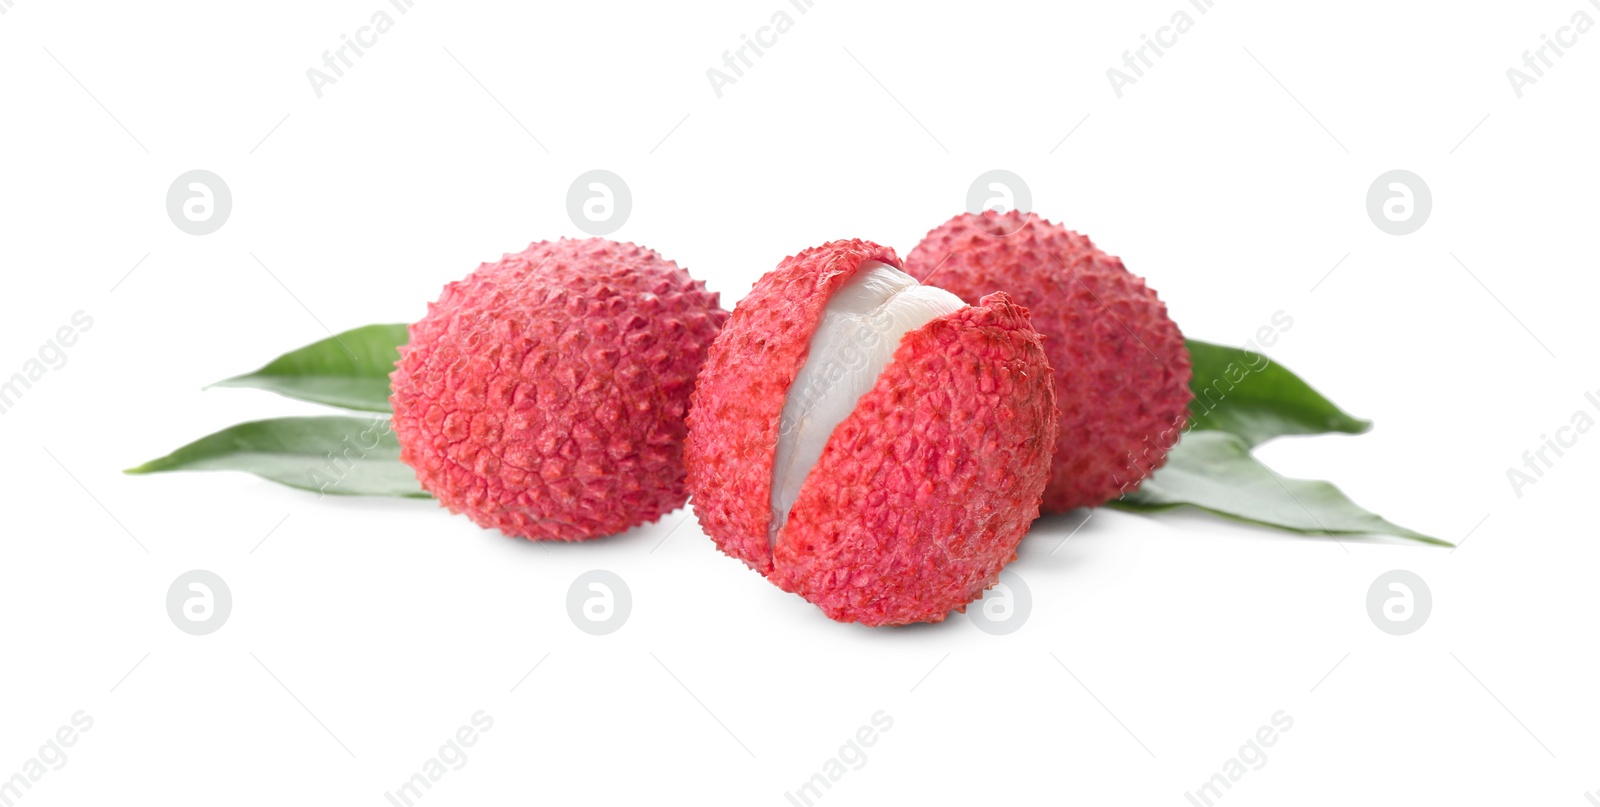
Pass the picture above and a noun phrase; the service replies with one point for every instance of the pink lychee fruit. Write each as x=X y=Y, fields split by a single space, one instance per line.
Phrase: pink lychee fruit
x=544 y=395
x=1121 y=366
x=874 y=445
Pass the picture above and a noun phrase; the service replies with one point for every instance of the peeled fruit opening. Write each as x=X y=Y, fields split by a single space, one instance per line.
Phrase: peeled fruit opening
x=861 y=327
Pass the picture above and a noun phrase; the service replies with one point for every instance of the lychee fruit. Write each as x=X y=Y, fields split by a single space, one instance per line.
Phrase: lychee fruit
x=1121 y=366
x=874 y=445
x=544 y=395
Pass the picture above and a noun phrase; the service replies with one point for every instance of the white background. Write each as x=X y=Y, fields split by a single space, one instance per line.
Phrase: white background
x=364 y=633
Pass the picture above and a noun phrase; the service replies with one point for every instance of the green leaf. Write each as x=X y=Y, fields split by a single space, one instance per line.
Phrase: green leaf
x=341 y=456
x=1247 y=394
x=349 y=370
x=1215 y=472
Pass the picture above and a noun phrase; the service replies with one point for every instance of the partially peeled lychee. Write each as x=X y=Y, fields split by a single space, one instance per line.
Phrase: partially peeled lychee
x=873 y=445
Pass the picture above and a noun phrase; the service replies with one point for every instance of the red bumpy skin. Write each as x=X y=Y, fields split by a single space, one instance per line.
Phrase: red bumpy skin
x=544 y=395
x=1121 y=367
x=921 y=495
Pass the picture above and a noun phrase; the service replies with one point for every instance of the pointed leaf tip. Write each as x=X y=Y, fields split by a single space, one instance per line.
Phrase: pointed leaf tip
x=348 y=370
x=1215 y=472
x=1247 y=394
x=339 y=455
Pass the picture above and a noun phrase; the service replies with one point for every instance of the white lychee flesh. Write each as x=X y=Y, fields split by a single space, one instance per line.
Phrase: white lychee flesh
x=861 y=327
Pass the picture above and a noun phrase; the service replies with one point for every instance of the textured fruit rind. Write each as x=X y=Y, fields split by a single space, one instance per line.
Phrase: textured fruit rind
x=923 y=493
x=1121 y=368
x=738 y=401
x=544 y=395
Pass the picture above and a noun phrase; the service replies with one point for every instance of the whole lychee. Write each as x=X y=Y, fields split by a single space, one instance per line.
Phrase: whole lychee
x=1121 y=367
x=544 y=395
x=876 y=446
